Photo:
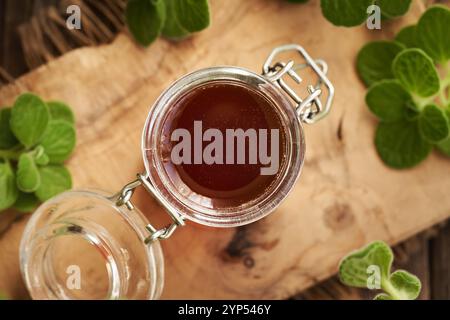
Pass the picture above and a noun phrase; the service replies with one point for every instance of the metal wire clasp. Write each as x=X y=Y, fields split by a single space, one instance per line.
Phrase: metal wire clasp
x=310 y=109
x=124 y=198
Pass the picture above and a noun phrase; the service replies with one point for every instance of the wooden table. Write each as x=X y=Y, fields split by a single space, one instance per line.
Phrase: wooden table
x=345 y=198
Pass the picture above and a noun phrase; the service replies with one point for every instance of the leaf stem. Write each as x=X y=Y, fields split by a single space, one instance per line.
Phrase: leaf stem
x=445 y=88
x=11 y=154
x=390 y=290
x=444 y=91
x=422 y=102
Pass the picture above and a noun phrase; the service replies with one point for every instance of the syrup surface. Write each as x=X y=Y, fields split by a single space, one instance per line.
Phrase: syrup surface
x=224 y=105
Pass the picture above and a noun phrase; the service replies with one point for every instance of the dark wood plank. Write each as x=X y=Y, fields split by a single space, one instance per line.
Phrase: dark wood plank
x=440 y=265
x=13 y=14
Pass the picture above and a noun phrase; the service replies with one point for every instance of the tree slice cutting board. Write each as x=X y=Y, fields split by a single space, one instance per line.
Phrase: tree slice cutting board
x=345 y=198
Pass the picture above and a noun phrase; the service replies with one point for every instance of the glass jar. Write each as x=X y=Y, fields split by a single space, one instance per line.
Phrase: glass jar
x=93 y=245
x=200 y=208
x=81 y=245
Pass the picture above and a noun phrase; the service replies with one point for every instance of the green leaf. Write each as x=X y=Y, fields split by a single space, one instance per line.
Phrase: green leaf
x=346 y=13
x=60 y=111
x=8 y=188
x=26 y=202
x=28 y=178
x=7 y=138
x=59 y=141
x=382 y=296
x=29 y=119
x=393 y=8
x=193 y=15
x=400 y=144
x=374 y=61
x=145 y=19
x=404 y=285
x=408 y=36
x=412 y=112
x=359 y=267
x=353 y=269
x=433 y=124
x=416 y=72
x=444 y=146
x=185 y=17
x=388 y=100
x=173 y=28
x=54 y=180
x=433 y=33
x=40 y=157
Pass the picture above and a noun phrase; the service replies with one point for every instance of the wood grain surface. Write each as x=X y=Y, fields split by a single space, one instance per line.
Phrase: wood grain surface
x=345 y=198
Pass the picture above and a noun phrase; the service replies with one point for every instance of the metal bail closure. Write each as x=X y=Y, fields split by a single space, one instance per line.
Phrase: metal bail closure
x=124 y=198
x=309 y=109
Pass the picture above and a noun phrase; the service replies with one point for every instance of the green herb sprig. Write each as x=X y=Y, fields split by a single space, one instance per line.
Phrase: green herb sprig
x=35 y=140
x=357 y=270
x=350 y=13
x=409 y=89
x=173 y=19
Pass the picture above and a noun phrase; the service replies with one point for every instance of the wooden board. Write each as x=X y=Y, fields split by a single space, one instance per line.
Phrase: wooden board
x=345 y=198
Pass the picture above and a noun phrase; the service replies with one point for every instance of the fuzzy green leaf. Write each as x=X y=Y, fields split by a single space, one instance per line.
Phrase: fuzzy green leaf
x=29 y=119
x=28 y=178
x=388 y=100
x=346 y=13
x=59 y=141
x=353 y=269
x=374 y=61
x=393 y=8
x=145 y=19
x=416 y=72
x=382 y=296
x=193 y=15
x=400 y=144
x=412 y=111
x=408 y=36
x=433 y=124
x=444 y=146
x=60 y=111
x=185 y=17
x=173 y=28
x=40 y=157
x=54 y=180
x=26 y=202
x=7 y=138
x=404 y=285
x=8 y=188
x=433 y=33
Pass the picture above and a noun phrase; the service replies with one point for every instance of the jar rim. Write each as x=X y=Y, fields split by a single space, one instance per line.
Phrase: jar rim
x=240 y=215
